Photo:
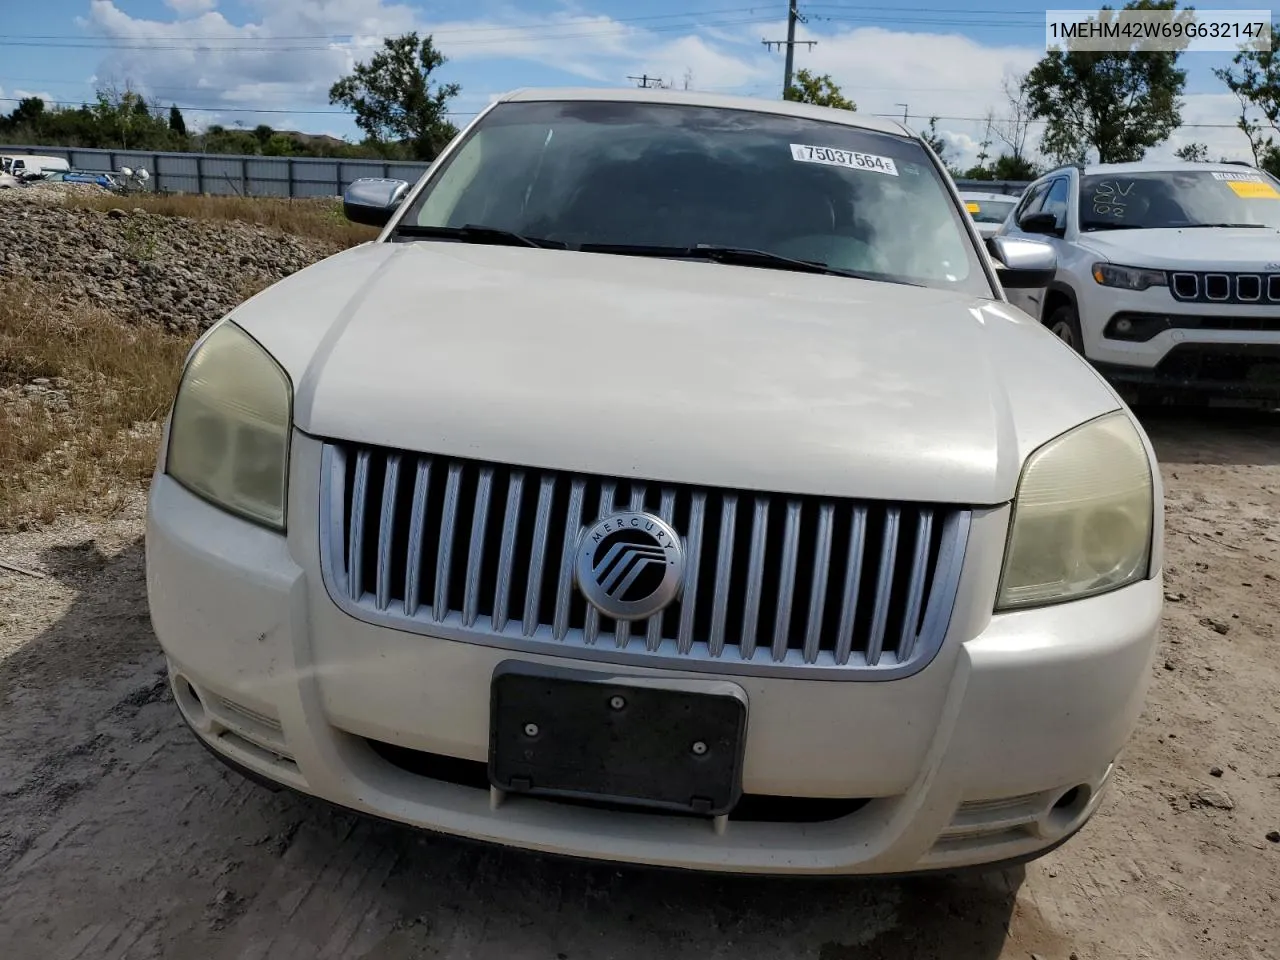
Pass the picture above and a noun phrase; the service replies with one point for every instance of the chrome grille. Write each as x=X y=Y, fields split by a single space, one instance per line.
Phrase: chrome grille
x=484 y=553
x=1195 y=287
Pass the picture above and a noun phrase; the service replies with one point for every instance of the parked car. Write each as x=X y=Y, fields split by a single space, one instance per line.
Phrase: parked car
x=646 y=492
x=20 y=164
x=1168 y=277
x=988 y=210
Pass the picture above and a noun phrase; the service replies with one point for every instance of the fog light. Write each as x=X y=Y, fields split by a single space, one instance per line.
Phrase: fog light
x=1124 y=326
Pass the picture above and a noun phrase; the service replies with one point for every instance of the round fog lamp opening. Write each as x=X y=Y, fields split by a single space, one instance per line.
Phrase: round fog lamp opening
x=1124 y=326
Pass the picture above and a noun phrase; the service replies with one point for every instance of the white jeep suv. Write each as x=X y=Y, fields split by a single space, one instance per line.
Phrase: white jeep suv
x=670 y=482
x=1168 y=274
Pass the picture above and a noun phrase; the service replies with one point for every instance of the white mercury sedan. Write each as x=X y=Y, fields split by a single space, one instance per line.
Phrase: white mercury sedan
x=670 y=482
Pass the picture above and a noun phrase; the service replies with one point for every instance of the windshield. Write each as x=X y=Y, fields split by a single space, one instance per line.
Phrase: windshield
x=1173 y=199
x=989 y=211
x=674 y=176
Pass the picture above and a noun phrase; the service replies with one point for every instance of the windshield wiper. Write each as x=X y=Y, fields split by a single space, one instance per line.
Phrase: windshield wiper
x=476 y=233
x=1195 y=226
x=738 y=256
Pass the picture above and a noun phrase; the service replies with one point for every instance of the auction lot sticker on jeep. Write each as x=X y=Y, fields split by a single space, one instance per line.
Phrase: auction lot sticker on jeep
x=834 y=157
x=1248 y=185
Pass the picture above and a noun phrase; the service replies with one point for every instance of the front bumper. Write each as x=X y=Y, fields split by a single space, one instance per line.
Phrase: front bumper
x=997 y=750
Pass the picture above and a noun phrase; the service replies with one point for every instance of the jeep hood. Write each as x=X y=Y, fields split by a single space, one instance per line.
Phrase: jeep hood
x=686 y=372
x=1205 y=248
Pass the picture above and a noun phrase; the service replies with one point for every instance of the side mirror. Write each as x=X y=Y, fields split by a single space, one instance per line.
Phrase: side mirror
x=372 y=201
x=1045 y=223
x=1027 y=264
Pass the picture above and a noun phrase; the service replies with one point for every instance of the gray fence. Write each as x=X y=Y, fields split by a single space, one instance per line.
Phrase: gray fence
x=246 y=176
x=250 y=176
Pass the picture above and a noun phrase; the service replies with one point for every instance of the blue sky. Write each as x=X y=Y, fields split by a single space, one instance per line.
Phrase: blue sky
x=272 y=61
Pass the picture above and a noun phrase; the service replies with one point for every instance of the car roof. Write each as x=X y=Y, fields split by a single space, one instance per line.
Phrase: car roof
x=978 y=195
x=789 y=108
x=1156 y=166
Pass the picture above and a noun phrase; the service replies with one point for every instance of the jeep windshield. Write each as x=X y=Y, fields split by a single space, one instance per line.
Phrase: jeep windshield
x=1178 y=199
x=640 y=178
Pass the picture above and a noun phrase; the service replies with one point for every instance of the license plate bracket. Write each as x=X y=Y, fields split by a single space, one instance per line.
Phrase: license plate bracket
x=665 y=744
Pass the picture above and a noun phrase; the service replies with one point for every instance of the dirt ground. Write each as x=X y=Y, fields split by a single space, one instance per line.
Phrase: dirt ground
x=120 y=837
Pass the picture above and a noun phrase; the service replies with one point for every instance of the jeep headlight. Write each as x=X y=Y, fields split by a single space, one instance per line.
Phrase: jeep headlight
x=1128 y=278
x=1082 y=517
x=229 y=434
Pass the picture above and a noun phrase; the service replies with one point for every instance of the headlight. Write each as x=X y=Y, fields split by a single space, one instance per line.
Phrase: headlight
x=229 y=435
x=1128 y=278
x=1082 y=518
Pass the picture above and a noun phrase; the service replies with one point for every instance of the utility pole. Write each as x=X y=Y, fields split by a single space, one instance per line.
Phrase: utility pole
x=793 y=16
x=904 y=112
x=647 y=81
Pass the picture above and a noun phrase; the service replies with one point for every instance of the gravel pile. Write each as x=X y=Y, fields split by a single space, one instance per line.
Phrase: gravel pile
x=175 y=271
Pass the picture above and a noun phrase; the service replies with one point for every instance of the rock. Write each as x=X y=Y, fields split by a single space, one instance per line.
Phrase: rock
x=1175 y=597
x=1215 y=771
x=1216 y=799
x=1217 y=626
x=181 y=283
x=1274 y=836
x=1169 y=665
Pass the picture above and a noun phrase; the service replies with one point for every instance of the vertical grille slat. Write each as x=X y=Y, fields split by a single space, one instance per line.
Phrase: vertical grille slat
x=386 y=530
x=915 y=586
x=818 y=590
x=564 y=586
x=355 y=543
x=466 y=550
x=723 y=573
x=884 y=584
x=787 y=581
x=755 y=578
x=538 y=556
x=591 y=630
x=475 y=548
x=444 y=551
x=667 y=511
x=852 y=581
x=622 y=630
x=692 y=561
x=417 y=521
x=506 y=552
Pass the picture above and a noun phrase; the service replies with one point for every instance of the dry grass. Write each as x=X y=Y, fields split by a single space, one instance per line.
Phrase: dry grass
x=321 y=218
x=89 y=453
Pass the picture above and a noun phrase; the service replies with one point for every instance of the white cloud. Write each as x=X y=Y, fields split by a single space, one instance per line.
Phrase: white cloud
x=189 y=8
x=1223 y=140
x=295 y=49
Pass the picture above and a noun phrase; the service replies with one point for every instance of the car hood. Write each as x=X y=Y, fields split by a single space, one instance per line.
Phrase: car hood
x=685 y=372
x=1208 y=248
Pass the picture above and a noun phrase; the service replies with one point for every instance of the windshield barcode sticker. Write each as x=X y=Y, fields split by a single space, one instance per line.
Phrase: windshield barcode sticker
x=852 y=159
x=1238 y=177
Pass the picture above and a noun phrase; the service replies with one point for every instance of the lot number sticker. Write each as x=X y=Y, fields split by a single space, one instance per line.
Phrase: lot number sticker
x=833 y=157
x=1248 y=185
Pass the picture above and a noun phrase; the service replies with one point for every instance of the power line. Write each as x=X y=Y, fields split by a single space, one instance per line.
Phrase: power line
x=572 y=22
x=647 y=81
x=219 y=44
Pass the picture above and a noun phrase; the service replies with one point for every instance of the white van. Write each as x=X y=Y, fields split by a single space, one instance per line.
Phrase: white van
x=30 y=163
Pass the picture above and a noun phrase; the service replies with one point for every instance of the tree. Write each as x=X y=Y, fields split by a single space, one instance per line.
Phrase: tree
x=393 y=99
x=177 y=123
x=1120 y=103
x=807 y=88
x=1014 y=129
x=1254 y=77
x=1197 y=152
x=934 y=139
